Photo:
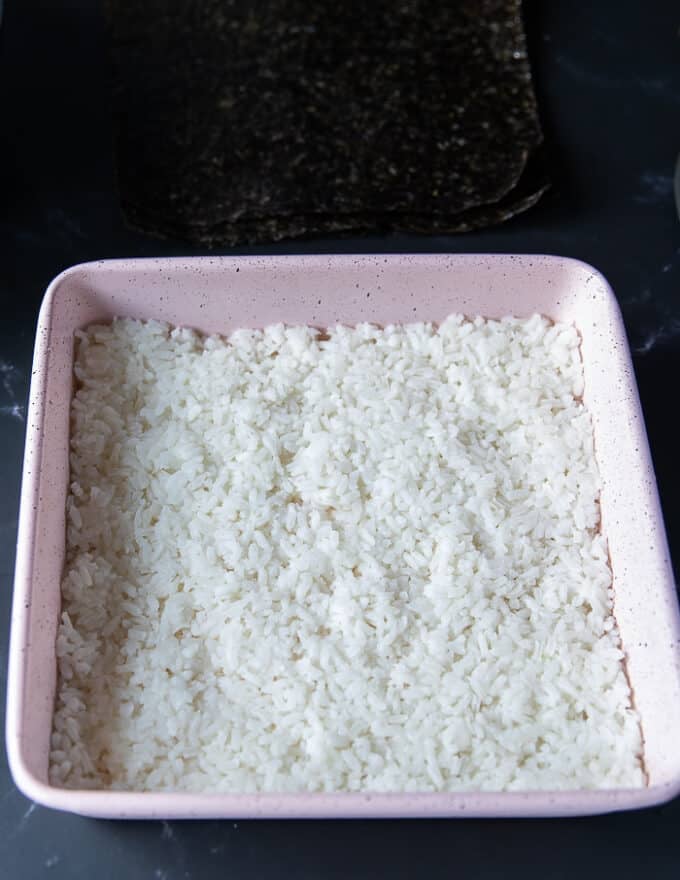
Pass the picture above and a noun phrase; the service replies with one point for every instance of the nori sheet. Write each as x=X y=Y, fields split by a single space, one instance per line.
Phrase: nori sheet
x=248 y=122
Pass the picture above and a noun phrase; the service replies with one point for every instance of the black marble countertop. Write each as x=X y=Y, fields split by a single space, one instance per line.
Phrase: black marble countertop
x=608 y=78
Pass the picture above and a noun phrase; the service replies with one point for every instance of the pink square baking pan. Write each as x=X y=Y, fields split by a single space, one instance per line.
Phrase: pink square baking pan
x=216 y=296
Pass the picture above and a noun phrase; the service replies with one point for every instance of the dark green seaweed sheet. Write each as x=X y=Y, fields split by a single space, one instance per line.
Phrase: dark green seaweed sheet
x=254 y=121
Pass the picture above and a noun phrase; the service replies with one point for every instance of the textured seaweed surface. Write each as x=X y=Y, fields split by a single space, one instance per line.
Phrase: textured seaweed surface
x=254 y=121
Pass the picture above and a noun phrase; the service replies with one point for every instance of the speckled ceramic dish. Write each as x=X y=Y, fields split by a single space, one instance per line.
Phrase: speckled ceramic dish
x=218 y=295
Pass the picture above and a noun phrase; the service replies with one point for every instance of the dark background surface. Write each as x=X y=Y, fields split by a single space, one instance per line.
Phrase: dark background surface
x=608 y=80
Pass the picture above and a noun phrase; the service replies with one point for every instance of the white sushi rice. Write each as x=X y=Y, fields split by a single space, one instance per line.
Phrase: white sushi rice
x=368 y=560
